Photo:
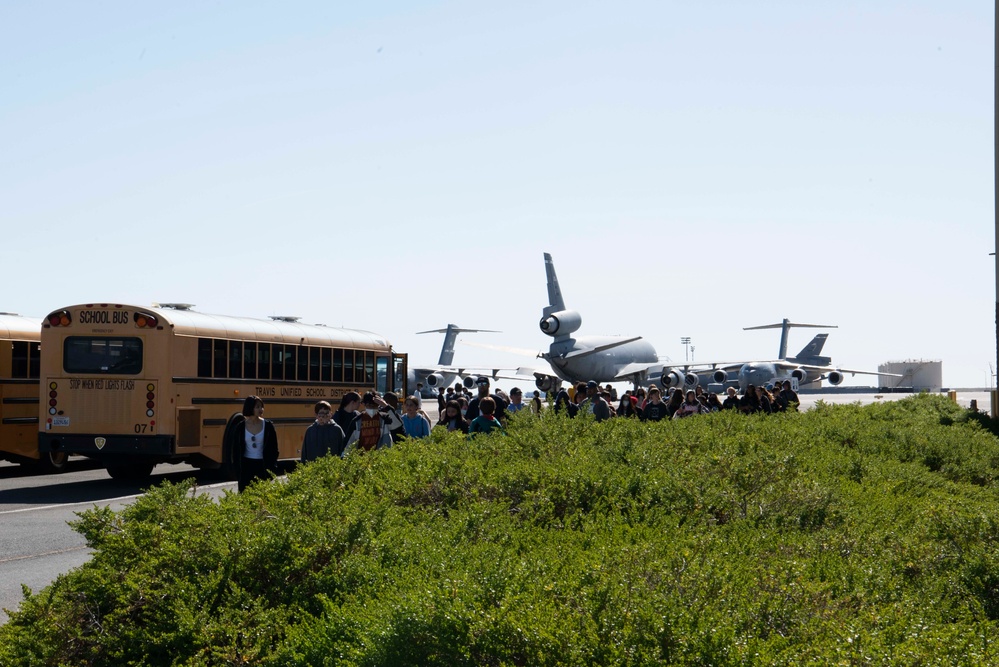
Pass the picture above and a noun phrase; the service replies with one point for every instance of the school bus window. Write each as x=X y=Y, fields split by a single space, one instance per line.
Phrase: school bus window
x=249 y=360
x=264 y=361
x=86 y=354
x=327 y=363
x=369 y=368
x=204 y=357
x=382 y=374
x=337 y=365
x=220 y=358
x=303 y=364
x=19 y=359
x=277 y=362
x=348 y=365
x=235 y=359
x=34 y=360
x=289 y=362
x=314 y=364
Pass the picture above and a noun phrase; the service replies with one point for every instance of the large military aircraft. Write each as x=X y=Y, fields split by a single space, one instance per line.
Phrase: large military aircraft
x=581 y=358
x=444 y=373
x=805 y=367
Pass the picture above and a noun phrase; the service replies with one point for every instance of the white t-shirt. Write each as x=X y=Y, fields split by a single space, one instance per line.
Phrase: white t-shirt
x=254 y=446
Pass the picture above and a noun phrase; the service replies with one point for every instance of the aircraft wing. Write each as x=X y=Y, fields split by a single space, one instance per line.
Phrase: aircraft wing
x=783 y=364
x=637 y=371
x=851 y=371
x=707 y=366
x=524 y=373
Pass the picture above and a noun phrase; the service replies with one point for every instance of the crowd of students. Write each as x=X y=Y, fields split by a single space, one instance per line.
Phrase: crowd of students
x=651 y=405
x=373 y=421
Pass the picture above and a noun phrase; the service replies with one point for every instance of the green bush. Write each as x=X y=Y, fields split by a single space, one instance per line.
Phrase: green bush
x=844 y=535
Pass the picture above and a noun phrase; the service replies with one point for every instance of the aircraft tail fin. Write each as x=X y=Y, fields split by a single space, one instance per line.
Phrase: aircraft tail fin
x=785 y=327
x=450 y=337
x=810 y=353
x=555 y=302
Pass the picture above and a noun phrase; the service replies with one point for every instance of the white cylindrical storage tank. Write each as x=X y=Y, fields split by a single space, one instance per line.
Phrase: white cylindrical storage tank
x=920 y=374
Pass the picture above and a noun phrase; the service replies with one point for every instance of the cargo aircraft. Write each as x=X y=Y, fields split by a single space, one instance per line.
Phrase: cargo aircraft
x=444 y=373
x=575 y=358
x=805 y=367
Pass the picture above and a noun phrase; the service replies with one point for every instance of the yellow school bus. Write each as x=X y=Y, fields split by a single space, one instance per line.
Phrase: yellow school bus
x=134 y=386
x=19 y=359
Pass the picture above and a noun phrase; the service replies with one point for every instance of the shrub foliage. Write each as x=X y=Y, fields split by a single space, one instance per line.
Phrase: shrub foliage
x=845 y=535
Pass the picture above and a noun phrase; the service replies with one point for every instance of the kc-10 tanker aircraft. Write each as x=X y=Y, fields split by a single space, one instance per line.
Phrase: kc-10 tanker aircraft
x=583 y=358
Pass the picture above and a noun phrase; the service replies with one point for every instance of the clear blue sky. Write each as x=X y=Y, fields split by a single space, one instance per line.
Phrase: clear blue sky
x=694 y=168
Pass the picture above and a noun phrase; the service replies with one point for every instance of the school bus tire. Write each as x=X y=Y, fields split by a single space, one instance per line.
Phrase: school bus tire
x=130 y=472
x=229 y=468
x=54 y=461
x=50 y=462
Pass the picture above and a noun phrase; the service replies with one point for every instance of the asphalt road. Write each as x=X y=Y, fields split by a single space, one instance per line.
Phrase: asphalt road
x=37 y=544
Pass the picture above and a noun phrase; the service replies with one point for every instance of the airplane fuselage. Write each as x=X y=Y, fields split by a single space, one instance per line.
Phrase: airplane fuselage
x=572 y=362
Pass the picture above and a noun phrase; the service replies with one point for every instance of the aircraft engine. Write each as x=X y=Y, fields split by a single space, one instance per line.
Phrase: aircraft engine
x=545 y=383
x=835 y=377
x=719 y=376
x=801 y=375
x=671 y=379
x=435 y=380
x=561 y=323
x=690 y=380
x=469 y=382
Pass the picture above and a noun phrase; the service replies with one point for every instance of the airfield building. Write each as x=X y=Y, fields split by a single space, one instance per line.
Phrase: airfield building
x=920 y=374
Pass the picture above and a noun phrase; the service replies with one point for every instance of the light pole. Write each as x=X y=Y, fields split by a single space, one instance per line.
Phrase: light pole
x=685 y=341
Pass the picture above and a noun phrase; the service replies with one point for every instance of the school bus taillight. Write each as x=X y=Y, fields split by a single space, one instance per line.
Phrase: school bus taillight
x=145 y=320
x=60 y=318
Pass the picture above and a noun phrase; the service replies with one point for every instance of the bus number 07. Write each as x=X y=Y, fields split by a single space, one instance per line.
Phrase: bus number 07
x=140 y=428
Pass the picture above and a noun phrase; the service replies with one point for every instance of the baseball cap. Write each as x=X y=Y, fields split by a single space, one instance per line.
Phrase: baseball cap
x=482 y=380
x=592 y=384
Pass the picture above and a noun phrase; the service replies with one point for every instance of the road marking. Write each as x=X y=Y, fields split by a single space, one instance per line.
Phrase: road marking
x=43 y=554
x=103 y=500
